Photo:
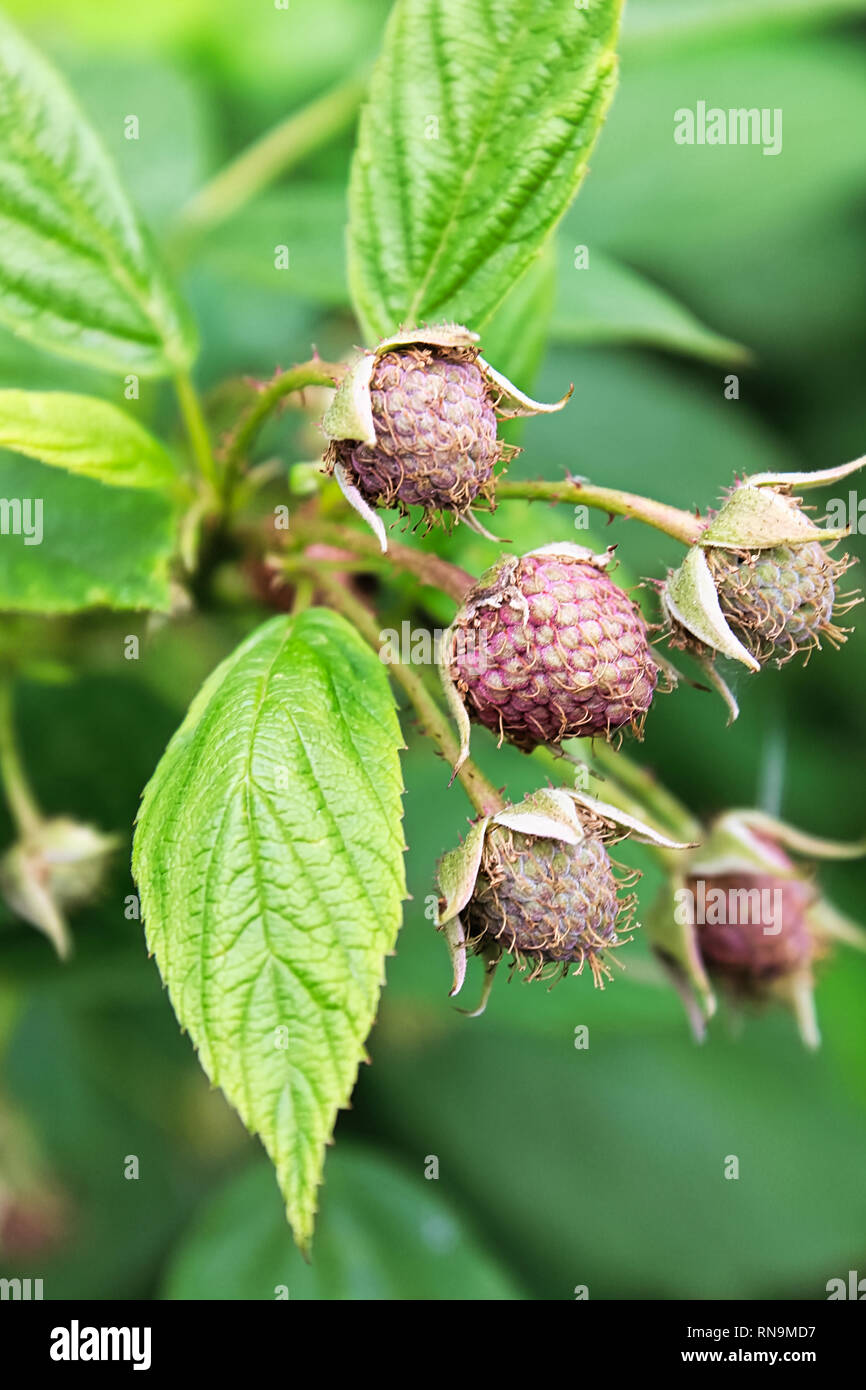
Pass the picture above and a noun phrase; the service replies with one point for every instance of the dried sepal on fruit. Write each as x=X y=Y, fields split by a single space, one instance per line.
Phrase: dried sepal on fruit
x=743 y=915
x=414 y=423
x=536 y=882
x=547 y=647
x=761 y=585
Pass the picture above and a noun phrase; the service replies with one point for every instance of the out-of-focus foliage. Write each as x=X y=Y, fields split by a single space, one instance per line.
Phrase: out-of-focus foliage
x=557 y=1167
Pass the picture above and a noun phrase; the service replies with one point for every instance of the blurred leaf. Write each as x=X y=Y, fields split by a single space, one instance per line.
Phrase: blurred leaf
x=168 y=158
x=677 y=23
x=608 y=303
x=691 y=228
x=308 y=219
x=78 y=274
x=383 y=1235
x=264 y=59
x=101 y=546
x=633 y=1138
x=85 y=436
x=81 y=1088
x=269 y=857
x=469 y=153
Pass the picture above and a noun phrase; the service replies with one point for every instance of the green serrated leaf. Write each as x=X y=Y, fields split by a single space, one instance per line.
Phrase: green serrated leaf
x=78 y=274
x=475 y=139
x=269 y=856
x=89 y=546
x=86 y=436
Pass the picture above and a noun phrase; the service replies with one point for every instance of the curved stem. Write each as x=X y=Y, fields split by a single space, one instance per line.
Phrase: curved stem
x=683 y=526
x=278 y=150
x=431 y=721
x=196 y=428
x=22 y=803
x=240 y=441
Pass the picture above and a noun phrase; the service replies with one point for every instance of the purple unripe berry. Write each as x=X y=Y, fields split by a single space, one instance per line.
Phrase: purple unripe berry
x=548 y=647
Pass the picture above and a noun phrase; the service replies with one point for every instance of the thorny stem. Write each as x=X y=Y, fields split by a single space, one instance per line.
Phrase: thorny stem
x=22 y=803
x=196 y=428
x=279 y=150
x=683 y=526
x=429 y=569
x=240 y=441
x=432 y=722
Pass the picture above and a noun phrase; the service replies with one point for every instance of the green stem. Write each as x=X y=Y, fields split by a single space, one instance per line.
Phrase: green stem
x=666 y=810
x=196 y=428
x=683 y=526
x=241 y=440
x=432 y=722
x=271 y=156
x=22 y=803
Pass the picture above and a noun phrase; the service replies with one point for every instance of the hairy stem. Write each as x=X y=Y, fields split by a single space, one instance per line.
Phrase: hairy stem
x=683 y=526
x=279 y=150
x=21 y=801
x=239 y=443
x=432 y=722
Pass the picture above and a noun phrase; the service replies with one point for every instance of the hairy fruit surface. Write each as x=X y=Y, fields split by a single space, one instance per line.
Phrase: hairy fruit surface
x=548 y=647
x=436 y=432
x=545 y=901
x=778 y=602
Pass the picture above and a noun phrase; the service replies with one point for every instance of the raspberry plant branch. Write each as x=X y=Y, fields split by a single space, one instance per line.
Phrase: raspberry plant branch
x=431 y=721
x=240 y=441
x=21 y=801
x=682 y=526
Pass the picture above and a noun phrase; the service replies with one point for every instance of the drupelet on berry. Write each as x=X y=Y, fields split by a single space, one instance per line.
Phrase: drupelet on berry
x=414 y=423
x=545 y=901
x=547 y=647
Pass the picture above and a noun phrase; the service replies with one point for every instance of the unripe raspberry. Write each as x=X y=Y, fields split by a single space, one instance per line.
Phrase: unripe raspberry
x=436 y=434
x=741 y=914
x=56 y=867
x=778 y=602
x=547 y=647
x=766 y=932
x=760 y=585
x=545 y=901
x=534 y=880
x=414 y=423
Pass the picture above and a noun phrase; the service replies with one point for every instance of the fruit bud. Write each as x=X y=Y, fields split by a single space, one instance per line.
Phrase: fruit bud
x=56 y=867
x=546 y=647
x=414 y=423
x=536 y=881
x=744 y=915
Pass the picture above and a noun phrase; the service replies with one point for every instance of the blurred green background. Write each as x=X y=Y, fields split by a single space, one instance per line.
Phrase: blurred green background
x=556 y=1167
